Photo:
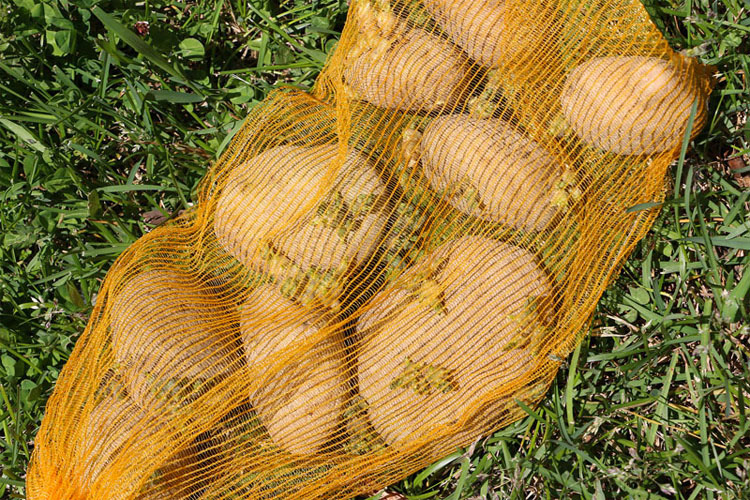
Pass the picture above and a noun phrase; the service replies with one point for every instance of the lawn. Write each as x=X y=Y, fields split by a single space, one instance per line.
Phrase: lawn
x=111 y=116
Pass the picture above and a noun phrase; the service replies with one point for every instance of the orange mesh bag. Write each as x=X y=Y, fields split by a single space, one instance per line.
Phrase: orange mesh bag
x=375 y=272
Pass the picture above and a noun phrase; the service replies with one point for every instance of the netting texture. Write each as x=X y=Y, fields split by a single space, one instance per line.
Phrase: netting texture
x=377 y=271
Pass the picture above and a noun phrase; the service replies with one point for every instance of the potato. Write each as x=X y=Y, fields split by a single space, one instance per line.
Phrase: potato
x=409 y=69
x=115 y=434
x=171 y=338
x=520 y=44
x=480 y=28
x=300 y=404
x=630 y=105
x=457 y=326
x=489 y=170
x=287 y=213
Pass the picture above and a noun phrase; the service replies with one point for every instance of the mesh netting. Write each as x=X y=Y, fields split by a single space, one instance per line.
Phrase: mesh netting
x=377 y=271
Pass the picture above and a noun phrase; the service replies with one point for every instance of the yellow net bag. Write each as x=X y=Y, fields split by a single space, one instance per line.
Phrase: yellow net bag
x=377 y=271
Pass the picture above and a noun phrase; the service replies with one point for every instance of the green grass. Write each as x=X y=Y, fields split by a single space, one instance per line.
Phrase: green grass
x=102 y=131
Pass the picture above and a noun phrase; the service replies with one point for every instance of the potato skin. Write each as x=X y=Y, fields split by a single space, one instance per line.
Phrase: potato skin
x=479 y=27
x=416 y=71
x=491 y=171
x=117 y=426
x=113 y=422
x=290 y=199
x=630 y=105
x=300 y=404
x=170 y=337
x=423 y=363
